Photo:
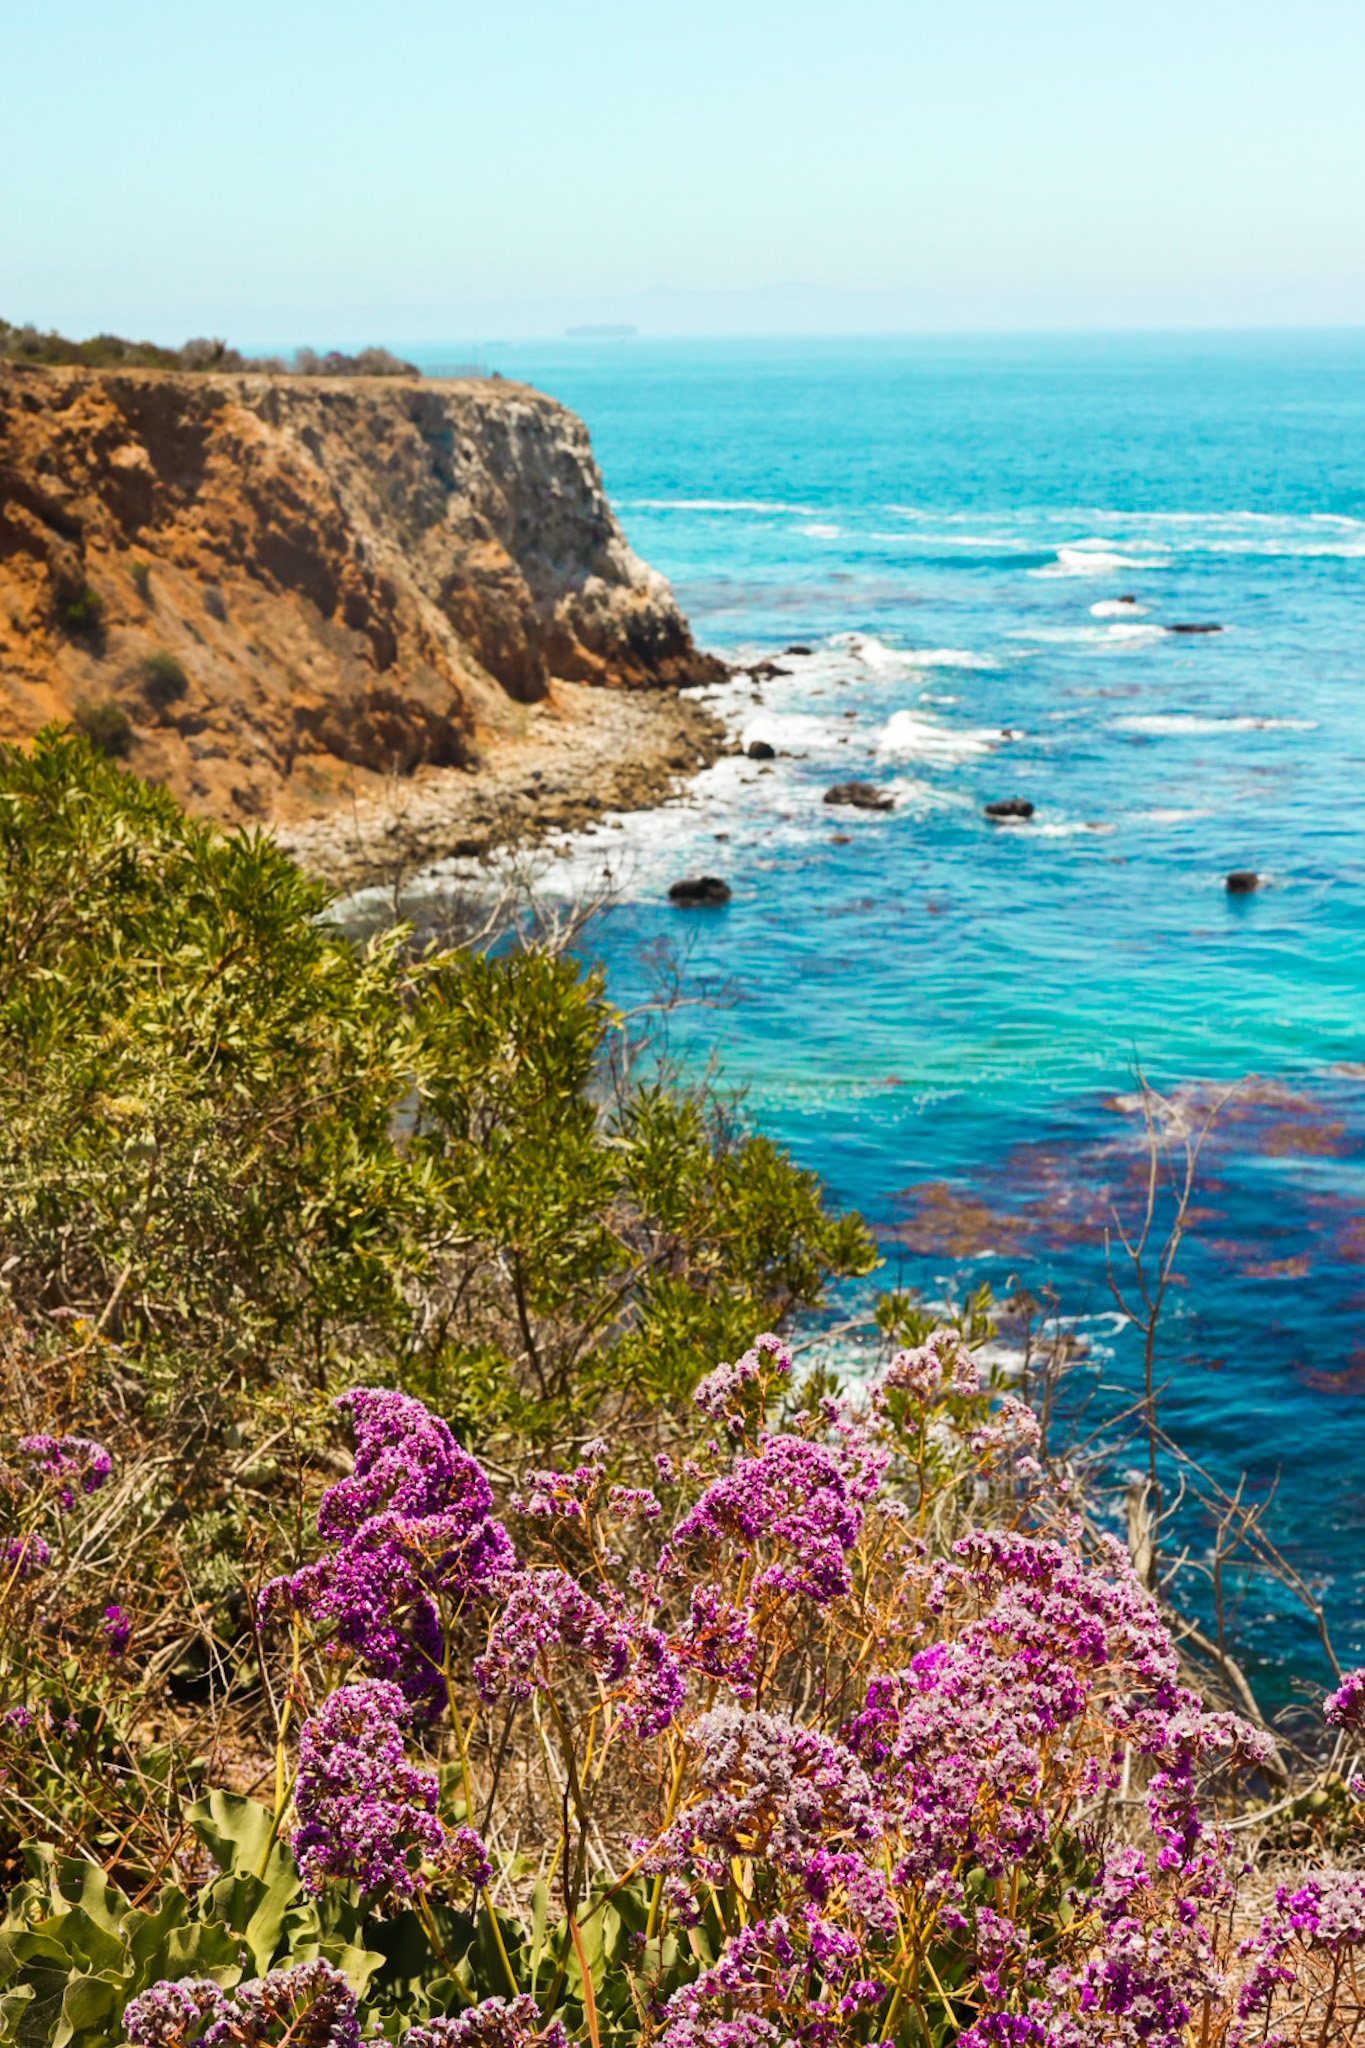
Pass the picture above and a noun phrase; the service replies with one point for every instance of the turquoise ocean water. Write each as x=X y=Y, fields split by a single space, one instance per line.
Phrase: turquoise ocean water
x=945 y=1017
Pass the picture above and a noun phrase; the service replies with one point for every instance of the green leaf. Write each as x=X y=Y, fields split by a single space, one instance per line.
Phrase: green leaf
x=236 y=1830
x=88 y=2013
x=148 y=1934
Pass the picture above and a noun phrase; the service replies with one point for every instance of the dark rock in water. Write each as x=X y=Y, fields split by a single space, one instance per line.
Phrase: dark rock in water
x=1194 y=629
x=761 y=750
x=1243 y=882
x=841 y=839
x=794 y=649
x=1010 y=807
x=765 y=671
x=863 y=796
x=1128 y=598
x=700 y=889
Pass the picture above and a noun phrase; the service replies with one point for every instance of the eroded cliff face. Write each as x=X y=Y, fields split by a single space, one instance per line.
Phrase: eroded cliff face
x=357 y=579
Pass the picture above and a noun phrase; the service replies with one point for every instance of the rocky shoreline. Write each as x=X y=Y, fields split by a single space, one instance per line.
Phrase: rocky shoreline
x=583 y=752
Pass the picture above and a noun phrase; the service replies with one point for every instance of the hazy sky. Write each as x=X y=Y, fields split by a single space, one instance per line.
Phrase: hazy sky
x=299 y=172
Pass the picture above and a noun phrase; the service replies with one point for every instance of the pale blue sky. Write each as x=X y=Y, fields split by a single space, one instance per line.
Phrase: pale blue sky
x=308 y=172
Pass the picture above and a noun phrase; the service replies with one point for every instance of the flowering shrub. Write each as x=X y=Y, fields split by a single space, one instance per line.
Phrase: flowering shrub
x=844 y=1732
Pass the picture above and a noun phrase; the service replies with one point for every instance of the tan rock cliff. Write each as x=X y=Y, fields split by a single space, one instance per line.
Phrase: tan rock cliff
x=357 y=579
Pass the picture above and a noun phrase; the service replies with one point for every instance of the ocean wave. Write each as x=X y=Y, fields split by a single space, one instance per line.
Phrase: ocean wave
x=1094 y=558
x=873 y=653
x=946 y=657
x=1163 y=724
x=1115 y=633
x=820 y=532
x=908 y=732
x=718 y=505
x=1117 y=608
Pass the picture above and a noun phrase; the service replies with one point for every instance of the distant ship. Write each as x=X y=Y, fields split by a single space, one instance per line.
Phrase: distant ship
x=607 y=331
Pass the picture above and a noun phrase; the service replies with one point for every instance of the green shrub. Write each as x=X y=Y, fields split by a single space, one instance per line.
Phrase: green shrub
x=213 y=603
x=229 y=1134
x=105 y=724
x=81 y=612
x=141 y=573
x=164 y=681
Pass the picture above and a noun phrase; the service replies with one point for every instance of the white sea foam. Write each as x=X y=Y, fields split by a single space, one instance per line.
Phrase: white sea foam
x=820 y=532
x=1162 y=816
x=1174 y=723
x=1114 y=634
x=720 y=505
x=791 y=729
x=873 y=653
x=909 y=733
x=946 y=657
x=1117 y=608
x=1094 y=557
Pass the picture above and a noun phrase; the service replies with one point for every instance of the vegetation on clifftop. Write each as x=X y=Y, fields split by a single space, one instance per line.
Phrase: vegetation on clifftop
x=29 y=344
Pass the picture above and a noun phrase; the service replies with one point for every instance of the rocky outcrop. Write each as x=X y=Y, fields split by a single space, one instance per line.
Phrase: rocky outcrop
x=360 y=580
x=861 y=796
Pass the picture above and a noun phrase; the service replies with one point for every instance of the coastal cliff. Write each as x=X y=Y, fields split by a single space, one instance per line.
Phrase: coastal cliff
x=283 y=597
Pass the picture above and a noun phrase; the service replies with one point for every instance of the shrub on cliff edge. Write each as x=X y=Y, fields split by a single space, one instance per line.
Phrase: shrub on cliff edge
x=229 y=1133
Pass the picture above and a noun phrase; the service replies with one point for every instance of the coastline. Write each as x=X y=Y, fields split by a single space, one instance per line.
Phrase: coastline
x=580 y=753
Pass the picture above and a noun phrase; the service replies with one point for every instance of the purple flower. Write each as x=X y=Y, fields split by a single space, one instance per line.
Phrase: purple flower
x=562 y=1496
x=365 y=1813
x=940 y=1366
x=310 y=2005
x=25 y=1555
x=546 y=1613
x=773 y=1791
x=721 y=1394
x=492 y=2023
x=74 y=1462
x=406 y=1460
x=116 y=1629
x=1345 y=1708
x=416 y=1542
x=1324 y=1915
x=763 y=1990
x=627 y=1503
x=792 y=1500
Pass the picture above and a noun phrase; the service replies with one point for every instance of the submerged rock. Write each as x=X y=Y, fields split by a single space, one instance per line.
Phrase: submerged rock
x=761 y=750
x=765 y=671
x=1243 y=882
x=699 y=890
x=1009 y=807
x=862 y=796
x=796 y=648
x=1194 y=629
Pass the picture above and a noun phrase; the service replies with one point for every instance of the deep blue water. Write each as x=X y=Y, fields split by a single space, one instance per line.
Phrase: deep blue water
x=944 y=1016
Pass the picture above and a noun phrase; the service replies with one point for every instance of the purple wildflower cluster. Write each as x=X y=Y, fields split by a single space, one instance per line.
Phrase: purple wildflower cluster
x=492 y=2023
x=68 y=1464
x=116 y=1628
x=729 y=1392
x=23 y=1556
x=868 y=1754
x=775 y=1982
x=1305 y=1950
x=791 y=1510
x=1345 y=1708
x=310 y=2005
x=414 y=1547
x=365 y=1813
